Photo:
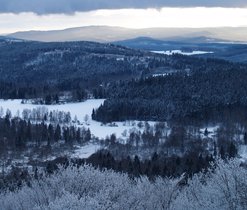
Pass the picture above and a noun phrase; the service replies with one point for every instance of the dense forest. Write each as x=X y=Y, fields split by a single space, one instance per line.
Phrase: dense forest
x=174 y=96
x=17 y=134
x=76 y=70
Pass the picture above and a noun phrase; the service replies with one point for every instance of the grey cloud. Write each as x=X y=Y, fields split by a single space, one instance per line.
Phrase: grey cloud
x=71 y=6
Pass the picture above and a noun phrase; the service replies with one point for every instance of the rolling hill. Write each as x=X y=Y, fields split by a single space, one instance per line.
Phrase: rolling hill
x=111 y=34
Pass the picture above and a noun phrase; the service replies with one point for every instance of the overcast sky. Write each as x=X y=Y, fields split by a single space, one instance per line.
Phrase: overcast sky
x=70 y=6
x=21 y=15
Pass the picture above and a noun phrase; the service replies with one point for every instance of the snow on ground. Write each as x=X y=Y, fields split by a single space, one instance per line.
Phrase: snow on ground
x=85 y=151
x=242 y=152
x=160 y=75
x=211 y=131
x=80 y=110
x=171 y=52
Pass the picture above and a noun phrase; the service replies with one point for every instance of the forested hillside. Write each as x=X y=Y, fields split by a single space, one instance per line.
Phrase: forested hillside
x=75 y=69
x=34 y=69
x=177 y=95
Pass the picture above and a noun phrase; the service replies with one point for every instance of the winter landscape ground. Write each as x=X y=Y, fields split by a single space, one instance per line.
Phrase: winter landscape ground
x=82 y=112
x=174 y=128
x=115 y=105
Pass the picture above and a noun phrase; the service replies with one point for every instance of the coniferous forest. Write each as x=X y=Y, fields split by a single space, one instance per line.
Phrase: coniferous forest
x=177 y=95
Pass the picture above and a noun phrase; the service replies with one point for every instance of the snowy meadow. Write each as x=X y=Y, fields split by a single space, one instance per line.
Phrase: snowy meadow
x=82 y=111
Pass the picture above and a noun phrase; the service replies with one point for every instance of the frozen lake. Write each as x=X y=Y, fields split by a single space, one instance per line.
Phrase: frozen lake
x=171 y=52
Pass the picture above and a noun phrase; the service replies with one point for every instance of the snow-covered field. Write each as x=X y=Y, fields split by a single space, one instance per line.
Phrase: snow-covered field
x=171 y=52
x=80 y=110
x=120 y=129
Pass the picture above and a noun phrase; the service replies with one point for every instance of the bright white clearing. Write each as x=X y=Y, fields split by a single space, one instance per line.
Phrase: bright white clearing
x=242 y=152
x=80 y=110
x=171 y=52
x=85 y=151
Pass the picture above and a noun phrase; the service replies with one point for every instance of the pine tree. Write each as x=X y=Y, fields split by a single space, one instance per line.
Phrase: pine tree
x=232 y=150
x=57 y=135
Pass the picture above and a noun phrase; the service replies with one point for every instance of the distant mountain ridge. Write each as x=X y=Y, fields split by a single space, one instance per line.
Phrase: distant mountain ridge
x=9 y=39
x=112 y=34
x=223 y=49
x=148 y=43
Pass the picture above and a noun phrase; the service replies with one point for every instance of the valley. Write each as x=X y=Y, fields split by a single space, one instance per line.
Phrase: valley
x=128 y=101
x=117 y=105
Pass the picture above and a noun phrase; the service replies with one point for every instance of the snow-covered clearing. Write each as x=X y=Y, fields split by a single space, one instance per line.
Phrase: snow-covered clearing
x=160 y=75
x=85 y=151
x=80 y=110
x=242 y=152
x=171 y=52
x=209 y=131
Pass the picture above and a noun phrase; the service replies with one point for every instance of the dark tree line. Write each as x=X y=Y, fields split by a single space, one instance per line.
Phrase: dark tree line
x=42 y=94
x=180 y=142
x=16 y=134
x=157 y=165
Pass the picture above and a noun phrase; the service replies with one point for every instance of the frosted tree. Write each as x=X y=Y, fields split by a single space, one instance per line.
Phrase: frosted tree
x=17 y=114
x=86 y=119
x=223 y=187
x=67 y=118
x=75 y=119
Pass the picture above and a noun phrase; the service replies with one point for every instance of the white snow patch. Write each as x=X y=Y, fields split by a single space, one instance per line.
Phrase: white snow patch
x=79 y=109
x=211 y=131
x=160 y=75
x=242 y=152
x=171 y=52
x=85 y=151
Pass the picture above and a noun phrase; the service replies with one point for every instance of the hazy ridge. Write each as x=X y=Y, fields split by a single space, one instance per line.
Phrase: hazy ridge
x=110 y=34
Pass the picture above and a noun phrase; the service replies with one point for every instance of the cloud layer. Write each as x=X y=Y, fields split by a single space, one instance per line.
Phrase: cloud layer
x=71 y=6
